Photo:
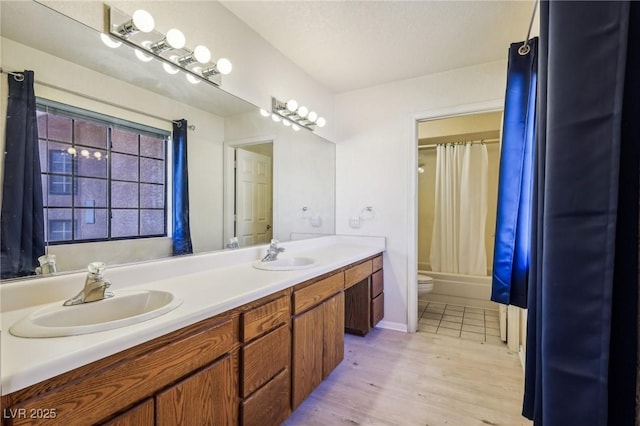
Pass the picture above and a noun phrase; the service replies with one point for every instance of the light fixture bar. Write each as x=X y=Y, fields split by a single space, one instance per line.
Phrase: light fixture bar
x=297 y=115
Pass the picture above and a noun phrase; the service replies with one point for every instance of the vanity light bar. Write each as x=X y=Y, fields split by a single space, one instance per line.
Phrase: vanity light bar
x=298 y=115
x=138 y=32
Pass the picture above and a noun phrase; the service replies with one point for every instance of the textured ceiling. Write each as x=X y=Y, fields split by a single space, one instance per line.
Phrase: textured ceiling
x=348 y=45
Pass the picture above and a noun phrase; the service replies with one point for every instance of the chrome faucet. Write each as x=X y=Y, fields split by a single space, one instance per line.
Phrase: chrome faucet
x=273 y=251
x=94 y=286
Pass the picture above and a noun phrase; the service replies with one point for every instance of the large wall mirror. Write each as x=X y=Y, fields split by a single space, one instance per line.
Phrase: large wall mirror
x=249 y=177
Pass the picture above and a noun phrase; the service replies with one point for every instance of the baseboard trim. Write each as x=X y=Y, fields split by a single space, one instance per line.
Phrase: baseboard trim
x=395 y=326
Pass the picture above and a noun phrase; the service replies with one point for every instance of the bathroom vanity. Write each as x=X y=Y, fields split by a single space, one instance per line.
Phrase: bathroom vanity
x=250 y=356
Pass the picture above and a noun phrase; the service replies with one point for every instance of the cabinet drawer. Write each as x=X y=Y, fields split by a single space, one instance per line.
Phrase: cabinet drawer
x=264 y=318
x=310 y=296
x=377 y=309
x=270 y=404
x=264 y=358
x=357 y=273
x=377 y=283
x=377 y=263
x=128 y=382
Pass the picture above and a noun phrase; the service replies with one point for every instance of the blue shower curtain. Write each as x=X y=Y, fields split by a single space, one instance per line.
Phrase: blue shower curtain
x=181 y=229
x=22 y=216
x=513 y=221
x=583 y=290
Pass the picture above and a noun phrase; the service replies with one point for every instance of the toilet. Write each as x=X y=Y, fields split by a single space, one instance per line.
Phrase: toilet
x=425 y=284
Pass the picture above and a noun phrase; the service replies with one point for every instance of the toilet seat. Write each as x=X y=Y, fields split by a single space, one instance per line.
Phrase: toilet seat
x=425 y=283
x=424 y=279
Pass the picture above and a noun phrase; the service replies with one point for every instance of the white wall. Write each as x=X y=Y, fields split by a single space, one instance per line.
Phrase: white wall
x=259 y=69
x=205 y=148
x=376 y=129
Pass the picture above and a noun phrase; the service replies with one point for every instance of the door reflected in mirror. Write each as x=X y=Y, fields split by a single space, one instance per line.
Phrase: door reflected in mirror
x=253 y=194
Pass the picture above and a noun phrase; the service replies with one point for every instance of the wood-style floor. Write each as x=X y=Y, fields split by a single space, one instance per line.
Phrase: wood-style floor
x=395 y=378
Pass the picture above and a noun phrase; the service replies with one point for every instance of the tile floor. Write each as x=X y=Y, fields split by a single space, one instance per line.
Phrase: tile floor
x=477 y=324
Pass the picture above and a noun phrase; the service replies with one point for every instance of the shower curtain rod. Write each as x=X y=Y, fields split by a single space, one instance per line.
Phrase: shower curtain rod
x=486 y=141
x=92 y=98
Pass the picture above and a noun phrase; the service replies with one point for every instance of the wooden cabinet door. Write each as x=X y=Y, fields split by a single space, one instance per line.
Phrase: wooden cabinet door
x=205 y=398
x=140 y=415
x=333 y=333
x=307 y=354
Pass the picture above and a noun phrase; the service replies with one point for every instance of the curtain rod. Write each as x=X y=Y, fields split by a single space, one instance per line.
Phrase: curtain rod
x=434 y=145
x=92 y=98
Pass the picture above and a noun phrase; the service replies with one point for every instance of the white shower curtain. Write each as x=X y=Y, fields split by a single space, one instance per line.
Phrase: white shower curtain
x=457 y=244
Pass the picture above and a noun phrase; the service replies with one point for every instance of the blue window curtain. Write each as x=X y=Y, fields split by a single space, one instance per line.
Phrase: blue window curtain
x=181 y=230
x=582 y=326
x=22 y=216
x=513 y=221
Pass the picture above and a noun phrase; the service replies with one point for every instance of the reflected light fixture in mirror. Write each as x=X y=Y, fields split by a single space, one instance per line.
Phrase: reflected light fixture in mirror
x=142 y=56
x=138 y=32
x=110 y=42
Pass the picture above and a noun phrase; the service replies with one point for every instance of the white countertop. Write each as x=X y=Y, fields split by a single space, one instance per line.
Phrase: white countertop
x=208 y=285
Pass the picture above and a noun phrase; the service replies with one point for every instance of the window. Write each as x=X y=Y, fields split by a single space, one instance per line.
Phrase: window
x=102 y=178
x=60 y=168
x=60 y=230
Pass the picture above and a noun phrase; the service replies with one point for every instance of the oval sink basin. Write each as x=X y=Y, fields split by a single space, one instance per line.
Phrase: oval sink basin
x=285 y=264
x=124 y=308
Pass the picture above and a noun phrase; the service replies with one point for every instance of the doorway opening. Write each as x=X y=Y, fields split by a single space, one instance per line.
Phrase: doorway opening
x=417 y=241
x=458 y=162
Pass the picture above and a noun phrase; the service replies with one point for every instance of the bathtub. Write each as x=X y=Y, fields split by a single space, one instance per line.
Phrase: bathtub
x=465 y=290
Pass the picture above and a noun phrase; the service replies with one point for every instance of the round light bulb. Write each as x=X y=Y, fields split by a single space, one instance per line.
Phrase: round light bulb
x=202 y=54
x=312 y=117
x=286 y=123
x=170 y=69
x=192 y=79
x=275 y=117
x=143 y=21
x=143 y=57
x=110 y=42
x=97 y=154
x=303 y=111
x=224 y=66
x=84 y=153
x=292 y=105
x=321 y=121
x=295 y=127
x=72 y=151
x=264 y=112
x=175 y=38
